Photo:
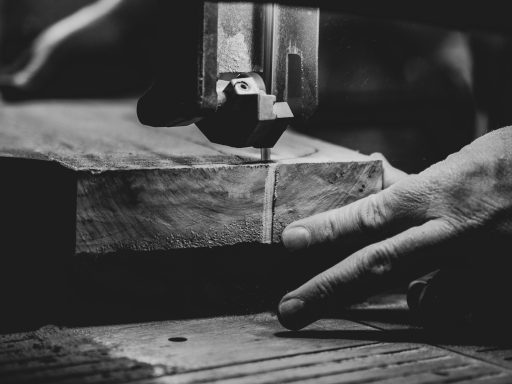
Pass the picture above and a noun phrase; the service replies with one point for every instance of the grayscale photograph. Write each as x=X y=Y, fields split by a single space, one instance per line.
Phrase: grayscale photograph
x=279 y=191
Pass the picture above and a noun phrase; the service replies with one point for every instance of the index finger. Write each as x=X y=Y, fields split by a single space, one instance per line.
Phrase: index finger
x=384 y=213
x=365 y=272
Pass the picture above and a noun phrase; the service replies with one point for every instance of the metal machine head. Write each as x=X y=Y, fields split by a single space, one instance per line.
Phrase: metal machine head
x=246 y=116
x=241 y=71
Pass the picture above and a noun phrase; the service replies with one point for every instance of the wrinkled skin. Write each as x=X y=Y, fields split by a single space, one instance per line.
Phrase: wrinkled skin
x=457 y=212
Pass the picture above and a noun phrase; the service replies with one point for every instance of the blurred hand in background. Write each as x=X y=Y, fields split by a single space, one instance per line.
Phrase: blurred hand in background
x=99 y=48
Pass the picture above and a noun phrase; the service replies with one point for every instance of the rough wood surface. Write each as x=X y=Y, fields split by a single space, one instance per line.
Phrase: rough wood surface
x=147 y=189
x=105 y=135
x=242 y=349
x=489 y=342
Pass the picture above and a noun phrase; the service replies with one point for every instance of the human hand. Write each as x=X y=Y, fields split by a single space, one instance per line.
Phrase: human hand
x=409 y=229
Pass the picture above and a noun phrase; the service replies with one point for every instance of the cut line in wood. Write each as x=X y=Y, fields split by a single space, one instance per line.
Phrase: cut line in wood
x=133 y=188
x=268 y=204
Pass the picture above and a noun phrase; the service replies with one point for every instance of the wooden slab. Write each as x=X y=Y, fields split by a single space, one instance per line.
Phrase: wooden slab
x=135 y=188
x=103 y=219
x=241 y=349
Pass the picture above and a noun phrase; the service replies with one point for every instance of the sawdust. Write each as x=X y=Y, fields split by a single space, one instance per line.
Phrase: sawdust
x=233 y=53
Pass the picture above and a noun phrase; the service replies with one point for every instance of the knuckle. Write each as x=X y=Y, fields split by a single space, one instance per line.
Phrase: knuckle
x=378 y=156
x=454 y=224
x=334 y=224
x=325 y=286
x=372 y=214
x=381 y=260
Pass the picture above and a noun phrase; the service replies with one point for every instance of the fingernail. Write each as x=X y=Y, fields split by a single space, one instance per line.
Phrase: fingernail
x=296 y=238
x=293 y=314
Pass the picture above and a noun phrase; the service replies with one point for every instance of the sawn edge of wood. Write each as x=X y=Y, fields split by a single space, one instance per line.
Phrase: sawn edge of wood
x=127 y=187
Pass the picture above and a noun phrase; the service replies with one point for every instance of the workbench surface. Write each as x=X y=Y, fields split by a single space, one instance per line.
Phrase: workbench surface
x=48 y=149
x=252 y=349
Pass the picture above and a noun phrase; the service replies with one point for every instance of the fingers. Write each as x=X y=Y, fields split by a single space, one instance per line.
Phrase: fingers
x=384 y=213
x=365 y=217
x=363 y=273
x=392 y=175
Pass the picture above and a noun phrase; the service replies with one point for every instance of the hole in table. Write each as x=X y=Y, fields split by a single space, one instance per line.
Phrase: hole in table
x=177 y=339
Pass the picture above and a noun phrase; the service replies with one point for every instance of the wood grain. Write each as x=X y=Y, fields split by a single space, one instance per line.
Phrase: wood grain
x=104 y=219
x=105 y=135
x=237 y=349
x=153 y=189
